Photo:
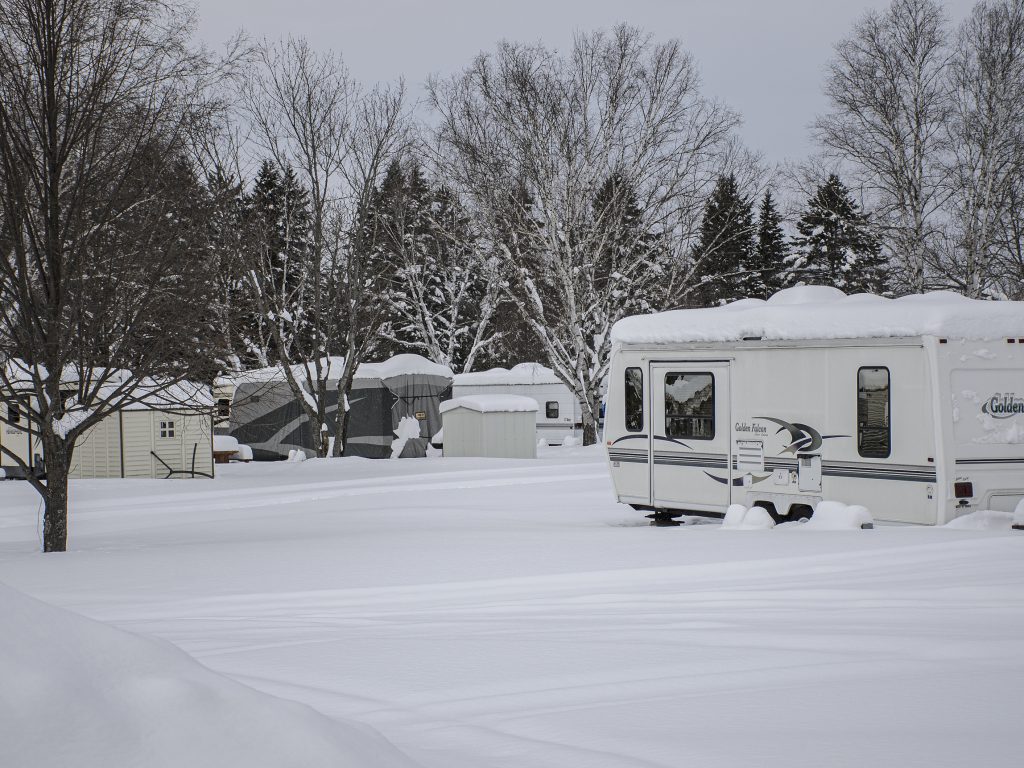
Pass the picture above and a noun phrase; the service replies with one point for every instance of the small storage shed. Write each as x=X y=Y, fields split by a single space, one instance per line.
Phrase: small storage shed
x=495 y=426
x=165 y=435
x=559 y=414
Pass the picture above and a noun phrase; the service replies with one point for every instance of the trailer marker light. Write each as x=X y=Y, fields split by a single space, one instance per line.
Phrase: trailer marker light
x=963 y=490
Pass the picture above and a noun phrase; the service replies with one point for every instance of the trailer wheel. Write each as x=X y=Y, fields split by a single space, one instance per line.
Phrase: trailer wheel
x=799 y=512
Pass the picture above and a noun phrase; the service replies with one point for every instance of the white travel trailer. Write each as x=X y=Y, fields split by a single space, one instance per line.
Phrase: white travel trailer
x=913 y=407
x=559 y=413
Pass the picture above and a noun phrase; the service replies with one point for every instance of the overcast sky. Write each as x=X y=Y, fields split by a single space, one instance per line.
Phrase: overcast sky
x=765 y=58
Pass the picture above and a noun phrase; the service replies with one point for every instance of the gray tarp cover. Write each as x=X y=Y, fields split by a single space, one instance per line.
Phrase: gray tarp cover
x=266 y=417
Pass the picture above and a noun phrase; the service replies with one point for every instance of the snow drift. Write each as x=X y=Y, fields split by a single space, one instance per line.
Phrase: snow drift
x=78 y=692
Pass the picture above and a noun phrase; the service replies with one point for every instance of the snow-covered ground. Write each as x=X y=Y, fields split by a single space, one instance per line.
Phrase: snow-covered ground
x=494 y=613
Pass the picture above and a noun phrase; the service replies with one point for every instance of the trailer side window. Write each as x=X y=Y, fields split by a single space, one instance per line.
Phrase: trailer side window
x=874 y=436
x=13 y=413
x=223 y=408
x=690 y=405
x=551 y=409
x=634 y=400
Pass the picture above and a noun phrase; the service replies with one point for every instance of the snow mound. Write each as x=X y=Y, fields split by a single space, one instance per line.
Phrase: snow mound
x=244 y=453
x=739 y=518
x=837 y=516
x=983 y=520
x=78 y=692
x=491 y=403
x=821 y=312
x=403 y=365
x=524 y=373
x=408 y=429
x=225 y=443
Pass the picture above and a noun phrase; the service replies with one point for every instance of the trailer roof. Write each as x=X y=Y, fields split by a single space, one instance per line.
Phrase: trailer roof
x=821 y=312
x=524 y=373
x=399 y=365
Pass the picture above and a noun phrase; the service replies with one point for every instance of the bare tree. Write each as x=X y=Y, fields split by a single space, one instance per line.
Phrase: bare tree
x=299 y=102
x=987 y=140
x=890 y=105
x=104 y=290
x=380 y=133
x=536 y=136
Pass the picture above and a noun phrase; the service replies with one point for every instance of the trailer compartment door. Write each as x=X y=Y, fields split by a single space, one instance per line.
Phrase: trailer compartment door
x=691 y=467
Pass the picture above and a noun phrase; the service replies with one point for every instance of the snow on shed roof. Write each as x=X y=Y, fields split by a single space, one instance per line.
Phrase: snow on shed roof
x=491 y=403
x=524 y=373
x=821 y=312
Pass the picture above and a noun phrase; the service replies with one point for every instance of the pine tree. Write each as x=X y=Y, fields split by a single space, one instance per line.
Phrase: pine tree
x=836 y=245
x=725 y=251
x=279 y=221
x=768 y=266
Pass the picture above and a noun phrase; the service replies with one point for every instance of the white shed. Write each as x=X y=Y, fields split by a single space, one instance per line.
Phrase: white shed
x=495 y=426
x=169 y=435
x=559 y=414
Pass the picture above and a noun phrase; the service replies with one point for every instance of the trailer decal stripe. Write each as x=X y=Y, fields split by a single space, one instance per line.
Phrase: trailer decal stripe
x=904 y=472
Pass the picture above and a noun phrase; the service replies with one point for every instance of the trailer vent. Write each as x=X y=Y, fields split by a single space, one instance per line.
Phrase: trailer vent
x=963 y=490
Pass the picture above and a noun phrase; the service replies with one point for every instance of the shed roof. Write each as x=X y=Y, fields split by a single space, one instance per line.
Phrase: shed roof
x=492 y=404
x=821 y=312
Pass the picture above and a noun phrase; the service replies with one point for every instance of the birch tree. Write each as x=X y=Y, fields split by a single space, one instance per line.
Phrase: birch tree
x=987 y=143
x=534 y=136
x=890 y=106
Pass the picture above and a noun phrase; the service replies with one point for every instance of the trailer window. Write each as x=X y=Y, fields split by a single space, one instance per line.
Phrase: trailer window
x=166 y=429
x=690 y=405
x=551 y=409
x=223 y=407
x=634 y=400
x=13 y=413
x=874 y=436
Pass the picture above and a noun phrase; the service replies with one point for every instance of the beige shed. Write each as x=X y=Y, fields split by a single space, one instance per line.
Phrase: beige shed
x=163 y=436
x=496 y=426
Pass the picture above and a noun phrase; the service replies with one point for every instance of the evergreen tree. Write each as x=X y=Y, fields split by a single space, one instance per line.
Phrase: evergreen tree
x=725 y=251
x=279 y=222
x=768 y=266
x=836 y=245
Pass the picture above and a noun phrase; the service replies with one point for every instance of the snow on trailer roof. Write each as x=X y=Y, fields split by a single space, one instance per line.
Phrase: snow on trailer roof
x=820 y=312
x=399 y=365
x=491 y=404
x=524 y=373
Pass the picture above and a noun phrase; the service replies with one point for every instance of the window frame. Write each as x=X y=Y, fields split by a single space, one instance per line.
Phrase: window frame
x=888 y=412
x=714 y=399
x=626 y=399
x=166 y=430
x=549 y=406
x=14 y=415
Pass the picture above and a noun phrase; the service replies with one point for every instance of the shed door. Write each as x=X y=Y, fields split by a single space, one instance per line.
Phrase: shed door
x=690 y=436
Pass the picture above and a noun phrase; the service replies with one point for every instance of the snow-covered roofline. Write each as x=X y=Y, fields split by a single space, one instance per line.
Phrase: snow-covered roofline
x=821 y=312
x=524 y=373
x=120 y=387
x=399 y=365
x=491 y=404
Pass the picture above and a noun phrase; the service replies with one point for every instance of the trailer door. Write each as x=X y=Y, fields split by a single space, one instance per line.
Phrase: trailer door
x=690 y=436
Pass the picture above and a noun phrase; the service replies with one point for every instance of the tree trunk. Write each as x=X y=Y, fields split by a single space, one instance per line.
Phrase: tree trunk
x=589 y=423
x=55 y=498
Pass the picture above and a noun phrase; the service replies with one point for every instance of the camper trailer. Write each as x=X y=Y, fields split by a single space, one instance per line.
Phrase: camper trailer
x=912 y=407
x=559 y=413
x=403 y=394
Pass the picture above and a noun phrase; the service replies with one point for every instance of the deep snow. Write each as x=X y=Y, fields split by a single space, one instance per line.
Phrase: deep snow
x=486 y=613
